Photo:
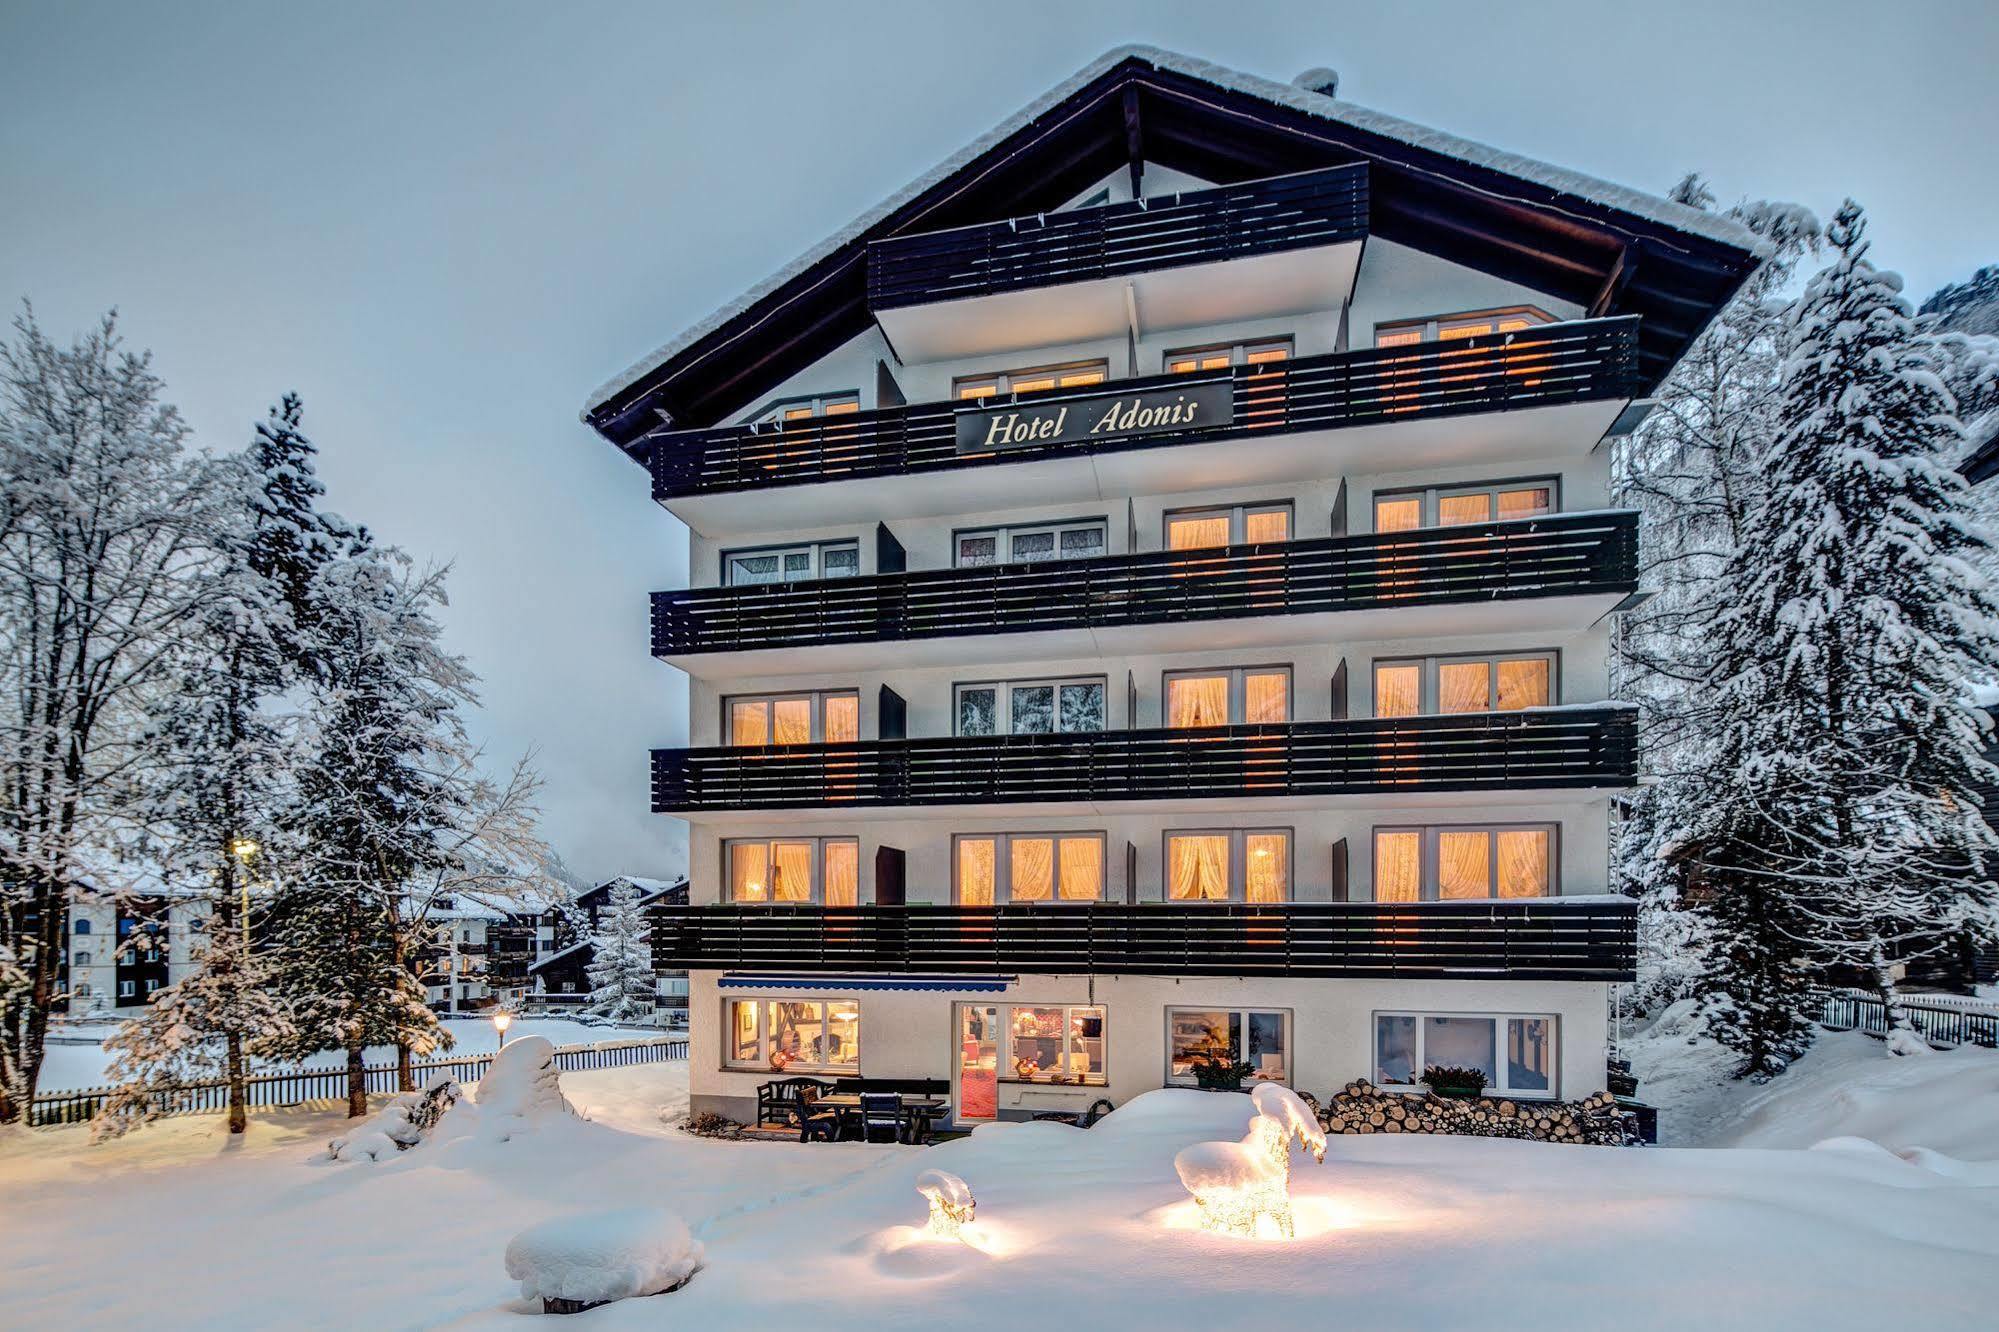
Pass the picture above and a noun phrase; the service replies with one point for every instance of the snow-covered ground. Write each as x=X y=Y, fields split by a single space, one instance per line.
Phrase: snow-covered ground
x=175 y=1227
x=70 y=1066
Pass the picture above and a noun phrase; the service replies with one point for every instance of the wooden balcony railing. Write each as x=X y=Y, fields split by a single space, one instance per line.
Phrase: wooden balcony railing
x=1554 y=748
x=1582 y=361
x=1115 y=240
x=1557 y=555
x=1544 y=939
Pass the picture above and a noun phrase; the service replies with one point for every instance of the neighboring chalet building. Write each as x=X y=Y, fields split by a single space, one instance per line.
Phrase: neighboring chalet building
x=1152 y=588
x=118 y=953
x=561 y=969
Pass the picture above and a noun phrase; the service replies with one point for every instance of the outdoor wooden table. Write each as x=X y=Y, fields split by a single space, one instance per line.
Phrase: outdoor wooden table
x=917 y=1111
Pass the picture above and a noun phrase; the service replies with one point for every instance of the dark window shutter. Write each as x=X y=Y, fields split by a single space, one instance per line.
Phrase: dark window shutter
x=1340 y=509
x=1339 y=712
x=1341 y=891
x=1131 y=873
x=889 y=554
x=892 y=717
x=890 y=868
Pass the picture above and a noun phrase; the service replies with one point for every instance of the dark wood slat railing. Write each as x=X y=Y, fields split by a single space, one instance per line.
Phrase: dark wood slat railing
x=1515 y=940
x=1581 y=361
x=1557 y=748
x=1558 y=555
x=1196 y=227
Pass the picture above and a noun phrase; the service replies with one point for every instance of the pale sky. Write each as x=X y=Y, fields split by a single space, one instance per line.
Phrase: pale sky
x=444 y=224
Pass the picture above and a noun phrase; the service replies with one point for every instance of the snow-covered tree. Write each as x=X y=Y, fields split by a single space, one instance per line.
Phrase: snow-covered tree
x=623 y=984
x=104 y=523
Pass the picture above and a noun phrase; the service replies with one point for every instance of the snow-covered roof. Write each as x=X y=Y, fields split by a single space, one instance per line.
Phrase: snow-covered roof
x=1579 y=185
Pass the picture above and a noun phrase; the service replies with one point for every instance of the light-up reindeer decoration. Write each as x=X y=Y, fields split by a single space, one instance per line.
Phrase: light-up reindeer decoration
x=951 y=1204
x=1236 y=1183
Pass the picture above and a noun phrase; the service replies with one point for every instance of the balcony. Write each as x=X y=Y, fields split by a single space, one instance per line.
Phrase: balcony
x=1549 y=573
x=1551 y=391
x=1587 y=940
x=1291 y=244
x=1538 y=750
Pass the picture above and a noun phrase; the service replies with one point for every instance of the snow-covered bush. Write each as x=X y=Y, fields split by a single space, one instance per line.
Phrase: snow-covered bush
x=594 y=1257
x=522 y=1083
x=398 y=1126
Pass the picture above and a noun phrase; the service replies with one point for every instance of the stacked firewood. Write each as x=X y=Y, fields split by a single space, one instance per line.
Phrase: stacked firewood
x=1364 y=1108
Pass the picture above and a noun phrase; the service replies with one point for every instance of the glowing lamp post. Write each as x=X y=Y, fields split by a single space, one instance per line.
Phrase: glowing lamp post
x=501 y=1021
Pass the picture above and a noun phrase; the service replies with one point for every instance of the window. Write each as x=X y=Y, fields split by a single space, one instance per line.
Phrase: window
x=83 y=991
x=793 y=719
x=791 y=564
x=151 y=985
x=82 y=926
x=126 y=990
x=1063 y=1043
x=1464 y=863
x=1188 y=360
x=1259 y=1038
x=795 y=870
x=991 y=868
x=1080 y=540
x=82 y=959
x=804 y=409
x=1040 y=379
x=1452 y=506
x=1407 y=1043
x=792 y=1034
x=1241 y=524
x=1224 y=865
x=1030 y=707
x=1245 y=696
x=1429 y=686
x=1470 y=323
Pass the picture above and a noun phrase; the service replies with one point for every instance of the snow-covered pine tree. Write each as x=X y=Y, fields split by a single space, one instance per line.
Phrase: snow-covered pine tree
x=1868 y=616
x=623 y=984
x=292 y=541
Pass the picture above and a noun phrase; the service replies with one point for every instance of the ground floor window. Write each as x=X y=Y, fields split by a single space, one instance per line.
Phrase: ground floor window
x=1057 y=1044
x=795 y=1035
x=1516 y=1053
x=1260 y=1038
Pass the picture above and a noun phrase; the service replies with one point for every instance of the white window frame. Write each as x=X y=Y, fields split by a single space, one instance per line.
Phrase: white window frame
x=1238 y=692
x=1099 y=1077
x=1238 y=516
x=817 y=698
x=764 y=1003
x=816 y=549
x=1501 y=1085
x=1003 y=381
x=82 y=959
x=127 y=989
x=815 y=407
x=819 y=845
x=1003 y=866
x=1433 y=327
x=1241 y=1012
x=1238 y=868
x=1428 y=868
x=1430 y=694
x=1238 y=353
x=1003 y=702
x=1430 y=495
x=1005 y=535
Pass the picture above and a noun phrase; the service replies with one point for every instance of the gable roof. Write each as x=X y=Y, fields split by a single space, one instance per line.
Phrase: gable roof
x=1608 y=248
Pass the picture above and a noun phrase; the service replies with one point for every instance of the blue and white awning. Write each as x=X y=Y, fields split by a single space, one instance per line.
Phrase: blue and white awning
x=774 y=980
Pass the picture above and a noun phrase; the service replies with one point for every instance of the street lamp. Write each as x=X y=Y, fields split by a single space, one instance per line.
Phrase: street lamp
x=501 y=1021
x=243 y=848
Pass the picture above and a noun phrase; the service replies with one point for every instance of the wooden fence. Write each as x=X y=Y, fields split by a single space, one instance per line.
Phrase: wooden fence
x=1854 y=1010
x=301 y=1086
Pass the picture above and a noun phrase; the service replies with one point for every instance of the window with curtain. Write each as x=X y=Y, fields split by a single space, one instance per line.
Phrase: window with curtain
x=794 y=719
x=1515 y=1052
x=1257 y=1037
x=1031 y=543
x=1031 y=707
x=1228 y=525
x=1503 y=682
x=1466 y=324
x=1251 y=695
x=1038 y=379
x=992 y=868
x=1054 y=1043
x=794 y=870
x=1238 y=865
x=1456 y=506
x=806 y=409
x=795 y=1035
x=788 y=564
x=1267 y=351
x=1464 y=863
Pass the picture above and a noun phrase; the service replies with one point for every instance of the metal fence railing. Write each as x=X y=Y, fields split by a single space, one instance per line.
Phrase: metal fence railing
x=1940 y=1024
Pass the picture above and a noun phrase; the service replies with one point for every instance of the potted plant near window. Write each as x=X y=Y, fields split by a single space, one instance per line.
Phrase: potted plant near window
x=1218 y=1065
x=1456 y=1084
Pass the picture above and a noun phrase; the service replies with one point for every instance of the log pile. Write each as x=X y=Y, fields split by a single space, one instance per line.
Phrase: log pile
x=1364 y=1108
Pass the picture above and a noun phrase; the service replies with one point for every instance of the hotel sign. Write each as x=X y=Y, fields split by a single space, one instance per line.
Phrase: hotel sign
x=1100 y=416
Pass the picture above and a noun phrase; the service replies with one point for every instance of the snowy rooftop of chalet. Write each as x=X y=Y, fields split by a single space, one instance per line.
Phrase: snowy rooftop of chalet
x=1578 y=184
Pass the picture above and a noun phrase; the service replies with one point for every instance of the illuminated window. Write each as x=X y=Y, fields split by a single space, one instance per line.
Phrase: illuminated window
x=1454 y=506
x=1515 y=1052
x=798 y=1035
x=1229 y=865
x=794 y=870
x=1430 y=686
x=793 y=719
x=1031 y=707
x=1040 y=379
x=791 y=564
x=1084 y=539
x=1464 y=863
x=806 y=409
x=1258 y=1037
x=991 y=868
x=1233 y=525
x=1245 y=696
x=1469 y=323
x=1189 y=360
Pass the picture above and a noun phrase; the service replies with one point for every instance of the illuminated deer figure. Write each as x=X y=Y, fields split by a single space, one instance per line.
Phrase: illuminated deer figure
x=1235 y=1183
x=950 y=1200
